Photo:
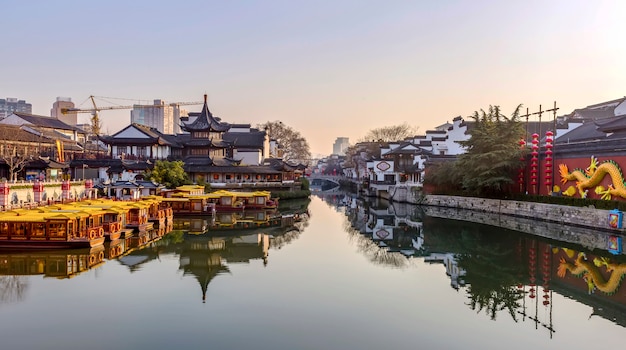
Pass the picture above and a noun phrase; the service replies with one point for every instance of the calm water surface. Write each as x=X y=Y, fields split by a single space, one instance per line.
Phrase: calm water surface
x=350 y=276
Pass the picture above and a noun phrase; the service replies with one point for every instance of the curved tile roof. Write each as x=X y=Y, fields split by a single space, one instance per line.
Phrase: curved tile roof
x=206 y=121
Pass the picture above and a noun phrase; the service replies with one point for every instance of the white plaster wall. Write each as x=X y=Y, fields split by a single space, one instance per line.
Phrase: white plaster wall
x=131 y=133
x=248 y=158
x=620 y=109
x=457 y=133
x=51 y=192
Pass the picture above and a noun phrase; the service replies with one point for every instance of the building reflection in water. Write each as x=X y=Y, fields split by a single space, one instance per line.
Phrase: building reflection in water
x=503 y=271
x=207 y=246
x=211 y=245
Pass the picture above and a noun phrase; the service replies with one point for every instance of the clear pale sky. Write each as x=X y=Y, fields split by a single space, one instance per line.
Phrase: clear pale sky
x=328 y=69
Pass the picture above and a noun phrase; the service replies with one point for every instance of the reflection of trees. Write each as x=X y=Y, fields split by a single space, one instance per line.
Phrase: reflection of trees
x=12 y=288
x=277 y=242
x=491 y=270
x=371 y=250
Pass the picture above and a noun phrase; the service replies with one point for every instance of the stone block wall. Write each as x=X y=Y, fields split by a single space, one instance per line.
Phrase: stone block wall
x=585 y=236
x=578 y=216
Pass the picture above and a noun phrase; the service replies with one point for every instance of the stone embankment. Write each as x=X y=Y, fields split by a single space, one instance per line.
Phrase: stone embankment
x=591 y=238
x=563 y=214
x=587 y=217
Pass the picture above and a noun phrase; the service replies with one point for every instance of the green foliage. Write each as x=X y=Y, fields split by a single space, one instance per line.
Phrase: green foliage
x=305 y=183
x=202 y=182
x=170 y=174
x=444 y=177
x=290 y=194
x=493 y=152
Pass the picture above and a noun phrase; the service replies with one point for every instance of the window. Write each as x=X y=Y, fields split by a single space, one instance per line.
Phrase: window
x=199 y=151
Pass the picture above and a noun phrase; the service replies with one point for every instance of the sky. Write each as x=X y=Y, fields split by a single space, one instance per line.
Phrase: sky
x=327 y=69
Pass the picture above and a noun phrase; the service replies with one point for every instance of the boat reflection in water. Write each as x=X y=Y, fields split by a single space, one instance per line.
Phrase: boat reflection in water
x=57 y=263
x=208 y=245
x=503 y=271
x=71 y=262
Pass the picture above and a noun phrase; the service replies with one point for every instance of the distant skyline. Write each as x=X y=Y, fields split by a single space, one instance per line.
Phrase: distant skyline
x=327 y=69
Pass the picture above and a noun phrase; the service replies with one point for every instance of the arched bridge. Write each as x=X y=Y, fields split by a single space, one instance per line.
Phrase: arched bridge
x=319 y=182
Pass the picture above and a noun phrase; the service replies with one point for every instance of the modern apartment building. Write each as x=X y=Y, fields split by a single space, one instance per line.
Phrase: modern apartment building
x=340 y=146
x=10 y=105
x=57 y=111
x=160 y=115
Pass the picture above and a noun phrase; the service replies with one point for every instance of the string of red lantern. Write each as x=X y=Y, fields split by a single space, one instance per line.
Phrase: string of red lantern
x=532 y=265
x=520 y=176
x=548 y=170
x=545 y=269
x=533 y=162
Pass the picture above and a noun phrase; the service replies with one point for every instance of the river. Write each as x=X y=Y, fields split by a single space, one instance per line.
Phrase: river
x=349 y=275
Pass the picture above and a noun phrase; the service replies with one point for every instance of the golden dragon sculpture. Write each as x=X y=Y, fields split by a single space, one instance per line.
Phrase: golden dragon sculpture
x=591 y=274
x=592 y=176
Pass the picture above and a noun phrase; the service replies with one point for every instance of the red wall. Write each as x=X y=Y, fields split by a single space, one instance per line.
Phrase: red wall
x=572 y=164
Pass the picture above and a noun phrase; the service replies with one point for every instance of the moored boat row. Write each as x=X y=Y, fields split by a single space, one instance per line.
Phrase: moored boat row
x=90 y=223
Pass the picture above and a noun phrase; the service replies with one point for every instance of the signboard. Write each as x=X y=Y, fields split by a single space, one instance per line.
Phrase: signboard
x=615 y=245
x=382 y=234
x=615 y=219
x=383 y=166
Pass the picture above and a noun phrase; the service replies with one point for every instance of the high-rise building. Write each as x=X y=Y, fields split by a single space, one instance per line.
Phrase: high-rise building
x=160 y=115
x=340 y=146
x=10 y=105
x=57 y=111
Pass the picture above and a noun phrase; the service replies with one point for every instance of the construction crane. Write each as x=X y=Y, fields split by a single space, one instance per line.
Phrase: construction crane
x=96 y=109
x=95 y=119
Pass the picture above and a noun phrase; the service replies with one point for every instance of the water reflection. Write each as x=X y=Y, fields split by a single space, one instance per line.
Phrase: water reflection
x=504 y=272
x=205 y=245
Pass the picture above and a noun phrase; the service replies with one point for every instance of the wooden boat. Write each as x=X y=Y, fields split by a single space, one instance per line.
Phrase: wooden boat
x=181 y=205
x=225 y=201
x=137 y=216
x=113 y=215
x=256 y=199
x=50 y=229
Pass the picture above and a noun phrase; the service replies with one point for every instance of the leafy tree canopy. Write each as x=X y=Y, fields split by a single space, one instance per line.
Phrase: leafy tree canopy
x=170 y=174
x=492 y=152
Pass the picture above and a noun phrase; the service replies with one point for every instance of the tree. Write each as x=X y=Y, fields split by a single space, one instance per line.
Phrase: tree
x=444 y=176
x=390 y=133
x=171 y=174
x=96 y=124
x=295 y=147
x=493 y=152
x=17 y=148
